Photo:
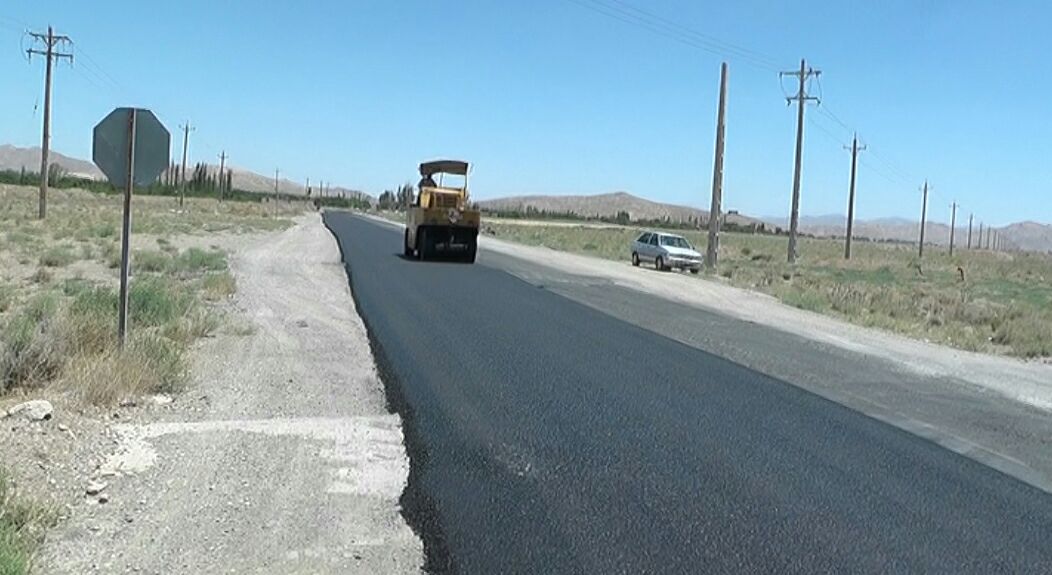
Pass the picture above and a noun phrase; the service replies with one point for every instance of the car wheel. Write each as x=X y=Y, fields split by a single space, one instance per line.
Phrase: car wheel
x=408 y=250
x=659 y=264
x=635 y=259
x=694 y=270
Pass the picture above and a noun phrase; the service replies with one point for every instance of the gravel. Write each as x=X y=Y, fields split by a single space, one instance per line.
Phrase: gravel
x=281 y=456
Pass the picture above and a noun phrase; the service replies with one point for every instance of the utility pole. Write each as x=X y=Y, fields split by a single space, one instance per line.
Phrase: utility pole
x=306 y=189
x=222 y=173
x=276 y=172
x=979 y=244
x=855 y=149
x=970 y=216
x=712 y=253
x=182 y=175
x=953 y=224
x=924 y=216
x=801 y=99
x=50 y=54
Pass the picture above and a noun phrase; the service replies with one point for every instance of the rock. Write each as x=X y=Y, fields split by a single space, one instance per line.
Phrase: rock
x=63 y=427
x=161 y=399
x=103 y=498
x=95 y=487
x=129 y=402
x=36 y=410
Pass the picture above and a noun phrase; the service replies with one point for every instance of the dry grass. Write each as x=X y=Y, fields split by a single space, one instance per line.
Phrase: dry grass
x=58 y=320
x=23 y=524
x=1003 y=306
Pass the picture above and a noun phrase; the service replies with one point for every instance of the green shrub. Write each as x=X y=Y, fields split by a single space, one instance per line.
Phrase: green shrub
x=22 y=527
x=32 y=349
x=150 y=261
x=56 y=257
x=195 y=260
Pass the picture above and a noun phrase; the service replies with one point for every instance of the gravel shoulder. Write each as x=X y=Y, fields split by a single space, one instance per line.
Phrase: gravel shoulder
x=282 y=456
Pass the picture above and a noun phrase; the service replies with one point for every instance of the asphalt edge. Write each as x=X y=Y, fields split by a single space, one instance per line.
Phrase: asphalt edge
x=419 y=512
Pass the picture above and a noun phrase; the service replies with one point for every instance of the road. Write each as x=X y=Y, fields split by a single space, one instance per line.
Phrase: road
x=548 y=436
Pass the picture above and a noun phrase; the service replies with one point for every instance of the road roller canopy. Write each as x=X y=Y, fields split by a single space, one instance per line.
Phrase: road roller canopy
x=455 y=167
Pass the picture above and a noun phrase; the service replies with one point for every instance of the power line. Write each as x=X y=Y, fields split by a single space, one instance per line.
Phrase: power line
x=632 y=15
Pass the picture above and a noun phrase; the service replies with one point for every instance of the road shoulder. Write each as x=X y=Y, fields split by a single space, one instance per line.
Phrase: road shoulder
x=282 y=455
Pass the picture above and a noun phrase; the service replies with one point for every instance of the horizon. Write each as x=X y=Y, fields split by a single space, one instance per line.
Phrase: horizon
x=577 y=98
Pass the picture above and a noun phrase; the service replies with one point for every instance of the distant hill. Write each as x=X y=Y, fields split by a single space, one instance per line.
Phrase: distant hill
x=608 y=205
x=15 y=158
x=1028 y=236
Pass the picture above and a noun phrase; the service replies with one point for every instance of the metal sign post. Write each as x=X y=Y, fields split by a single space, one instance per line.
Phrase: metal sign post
x=122 y=317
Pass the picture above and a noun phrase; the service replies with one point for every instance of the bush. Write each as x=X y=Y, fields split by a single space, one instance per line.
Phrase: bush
x=32 y=349
x=218 y=286
x=150 y=261
x=196 y=260
x=22 y=527
x=57 y=257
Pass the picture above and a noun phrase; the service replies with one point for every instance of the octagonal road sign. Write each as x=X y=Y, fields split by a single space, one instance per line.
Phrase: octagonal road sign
x=110 y=146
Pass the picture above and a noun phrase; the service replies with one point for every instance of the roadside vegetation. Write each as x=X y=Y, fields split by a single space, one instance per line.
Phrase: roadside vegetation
x=22 y=526
x=59 y=282
x=1003 y=305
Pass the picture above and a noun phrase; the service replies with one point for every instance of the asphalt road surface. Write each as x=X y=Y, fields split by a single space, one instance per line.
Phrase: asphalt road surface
x=546 y=436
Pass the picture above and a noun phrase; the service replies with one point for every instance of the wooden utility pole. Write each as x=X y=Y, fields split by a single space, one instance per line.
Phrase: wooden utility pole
x=953 y=224
x=924 y=217
x=801 y=99
x=50 y=54
x=712 y=253
x=855 y=149
x=186 y=146
x=970 y=216
x=979 y=244
x=276 y=172
x=222 y=173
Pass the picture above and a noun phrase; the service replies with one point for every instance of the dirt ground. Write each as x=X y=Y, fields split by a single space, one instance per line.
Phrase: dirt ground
x=280 y=458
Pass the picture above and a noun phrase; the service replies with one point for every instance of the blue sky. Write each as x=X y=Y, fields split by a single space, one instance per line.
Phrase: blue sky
x=553 y=97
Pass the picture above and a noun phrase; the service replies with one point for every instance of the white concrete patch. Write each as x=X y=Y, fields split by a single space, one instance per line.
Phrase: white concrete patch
x=365 y=453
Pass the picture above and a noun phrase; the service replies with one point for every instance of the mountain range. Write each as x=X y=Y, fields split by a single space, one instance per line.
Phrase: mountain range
x=15 y=158
x=1028 y=236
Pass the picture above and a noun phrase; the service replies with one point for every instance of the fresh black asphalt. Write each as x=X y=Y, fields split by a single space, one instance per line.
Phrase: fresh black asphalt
x=548 y=437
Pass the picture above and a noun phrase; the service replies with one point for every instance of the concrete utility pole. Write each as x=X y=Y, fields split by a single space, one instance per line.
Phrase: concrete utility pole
x=979 y=244
x=801 y=99
x=712 y=253
x=953 y=224
x=924 y=217
x=222 y=173
x=50 y=54
x=970 y=216
x=855 y=149
x=276 y=172
x=186 y=146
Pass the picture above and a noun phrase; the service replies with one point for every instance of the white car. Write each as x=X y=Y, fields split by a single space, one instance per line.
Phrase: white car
x=666 y=251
